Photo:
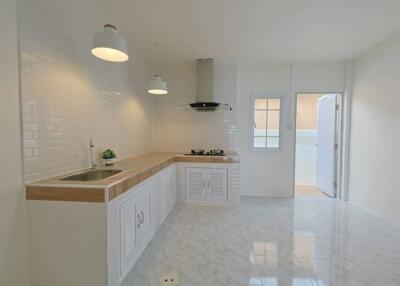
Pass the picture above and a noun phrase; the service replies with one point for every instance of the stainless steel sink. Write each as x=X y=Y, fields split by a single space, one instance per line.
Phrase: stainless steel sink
x=91 y=175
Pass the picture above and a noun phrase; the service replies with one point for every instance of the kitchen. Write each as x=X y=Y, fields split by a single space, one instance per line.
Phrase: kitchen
x=148 y=169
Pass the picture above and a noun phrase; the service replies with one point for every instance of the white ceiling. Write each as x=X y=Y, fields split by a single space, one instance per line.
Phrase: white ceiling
x=257 y=30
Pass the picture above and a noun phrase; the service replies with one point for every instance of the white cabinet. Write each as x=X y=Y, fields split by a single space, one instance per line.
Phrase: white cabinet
x=167 y=191
x=130 y=223
x=145 y=228
x=134 y=217
x=195 y=184
x=217 y=185
x=136 y=225
x=170 y=187
x=206 y=185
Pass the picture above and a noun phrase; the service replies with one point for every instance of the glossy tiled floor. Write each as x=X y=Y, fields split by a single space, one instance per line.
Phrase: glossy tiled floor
x=308 y=191
x=270 y=242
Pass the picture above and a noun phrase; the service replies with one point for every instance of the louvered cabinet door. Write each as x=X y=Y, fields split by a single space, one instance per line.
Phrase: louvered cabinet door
x=217 y=185
x=195 y=184
x=129 y=233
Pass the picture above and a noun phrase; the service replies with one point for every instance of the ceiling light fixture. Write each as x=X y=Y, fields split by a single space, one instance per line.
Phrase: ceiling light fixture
x=109 y=45
x=157 y=86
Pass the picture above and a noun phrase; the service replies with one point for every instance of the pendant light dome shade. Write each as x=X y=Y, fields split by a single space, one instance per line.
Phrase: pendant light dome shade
x=108 y=45
x=157 y=86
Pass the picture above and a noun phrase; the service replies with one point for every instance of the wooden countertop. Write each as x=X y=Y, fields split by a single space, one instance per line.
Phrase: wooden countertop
x=134 y=171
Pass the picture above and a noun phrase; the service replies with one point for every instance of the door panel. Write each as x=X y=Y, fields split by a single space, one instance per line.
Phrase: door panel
x=195 y=184
x=173 y=185
x=171 y=188
x=163 y=197
x=145 y=214
x=326 y=144
x=217 y=185
x=129 y=234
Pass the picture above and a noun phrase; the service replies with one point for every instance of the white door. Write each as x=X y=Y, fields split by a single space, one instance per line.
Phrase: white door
x=195 y=184
x=217 y=185
x=326 y=152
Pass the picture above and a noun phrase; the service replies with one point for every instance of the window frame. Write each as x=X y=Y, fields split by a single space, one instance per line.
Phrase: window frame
x=252 y=110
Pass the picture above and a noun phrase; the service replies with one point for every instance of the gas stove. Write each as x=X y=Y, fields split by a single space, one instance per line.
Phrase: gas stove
x=201 y=152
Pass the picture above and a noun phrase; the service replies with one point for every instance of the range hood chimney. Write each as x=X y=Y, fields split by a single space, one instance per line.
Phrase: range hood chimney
x=205 y=100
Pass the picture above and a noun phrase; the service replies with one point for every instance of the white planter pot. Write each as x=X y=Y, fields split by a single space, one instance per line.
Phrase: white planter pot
x=108 y=162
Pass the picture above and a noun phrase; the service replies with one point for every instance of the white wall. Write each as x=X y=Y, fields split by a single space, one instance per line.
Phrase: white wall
x=182 y=129
x=262 y=174
x=272 y=174
x=375 y=136
x=13 y=243
x=69 y=96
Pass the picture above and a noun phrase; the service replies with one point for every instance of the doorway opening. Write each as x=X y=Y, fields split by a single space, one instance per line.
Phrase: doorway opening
x=318 y=129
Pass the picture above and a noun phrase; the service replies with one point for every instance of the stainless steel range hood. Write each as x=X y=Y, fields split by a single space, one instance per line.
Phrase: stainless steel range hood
x=205 y=100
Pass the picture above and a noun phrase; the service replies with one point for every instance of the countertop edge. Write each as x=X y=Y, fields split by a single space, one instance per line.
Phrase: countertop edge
x=116 y=186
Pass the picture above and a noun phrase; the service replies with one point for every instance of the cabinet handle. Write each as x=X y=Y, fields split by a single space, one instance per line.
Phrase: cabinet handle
x=142 y=220
x=208 y=184
x=138 y=218
x=204 y=185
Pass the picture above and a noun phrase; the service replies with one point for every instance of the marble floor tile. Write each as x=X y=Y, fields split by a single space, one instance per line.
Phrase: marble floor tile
x=313 y=241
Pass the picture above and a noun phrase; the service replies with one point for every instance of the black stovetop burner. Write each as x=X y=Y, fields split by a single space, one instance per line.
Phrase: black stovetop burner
x=201 y=152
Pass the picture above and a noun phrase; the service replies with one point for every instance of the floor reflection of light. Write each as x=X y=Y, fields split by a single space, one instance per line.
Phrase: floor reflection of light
x=264 y=248
x=307 y=281
x=304 y=245
x=269 y=281
x=265 y=253
x=255 y=282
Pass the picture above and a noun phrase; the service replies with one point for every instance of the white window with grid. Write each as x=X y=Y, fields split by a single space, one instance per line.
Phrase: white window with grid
x=266 y=123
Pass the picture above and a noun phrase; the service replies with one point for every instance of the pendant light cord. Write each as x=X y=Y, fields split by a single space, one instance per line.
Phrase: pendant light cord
x=108 y=11
x=157 y=47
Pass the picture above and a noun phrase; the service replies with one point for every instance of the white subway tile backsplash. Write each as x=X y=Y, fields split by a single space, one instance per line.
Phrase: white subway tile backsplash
x=181 y=129
x=62 y=107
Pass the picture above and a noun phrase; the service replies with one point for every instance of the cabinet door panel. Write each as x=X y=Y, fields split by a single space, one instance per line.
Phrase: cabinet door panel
x=217 y=185
x=163 y=197
x=170 y=188
x=129 y=223
x=195 y=184
x=173 y=186
x=156 y=204
x=145 y=215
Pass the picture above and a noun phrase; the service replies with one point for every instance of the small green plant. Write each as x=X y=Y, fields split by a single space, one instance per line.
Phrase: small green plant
x=109 y=154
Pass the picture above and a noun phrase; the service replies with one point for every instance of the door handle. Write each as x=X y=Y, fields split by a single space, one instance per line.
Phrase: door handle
x=208 y=184
x=204 y=185
x=142 y=220
x=138 y=218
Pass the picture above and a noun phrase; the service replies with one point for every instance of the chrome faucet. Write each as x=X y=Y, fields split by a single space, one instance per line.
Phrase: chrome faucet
x=93 y=161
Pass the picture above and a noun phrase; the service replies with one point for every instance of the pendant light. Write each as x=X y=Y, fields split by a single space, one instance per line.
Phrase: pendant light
x=157 y=86
x=110 y=46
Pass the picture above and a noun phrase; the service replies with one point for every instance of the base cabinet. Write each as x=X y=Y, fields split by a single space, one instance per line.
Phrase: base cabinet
x=216 y=184
x=108 y=238
x=135 y=225
x=206 y=185
x=133 y=218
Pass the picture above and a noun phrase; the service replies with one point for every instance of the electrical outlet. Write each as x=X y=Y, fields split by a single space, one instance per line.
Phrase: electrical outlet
x=169 y=279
